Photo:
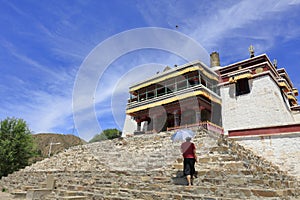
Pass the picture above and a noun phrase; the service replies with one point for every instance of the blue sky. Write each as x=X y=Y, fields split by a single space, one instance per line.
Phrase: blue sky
x=44 y=43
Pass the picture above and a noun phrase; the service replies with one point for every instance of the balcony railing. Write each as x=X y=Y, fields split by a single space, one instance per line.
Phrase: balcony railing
x=207 y=125
x=134 y=104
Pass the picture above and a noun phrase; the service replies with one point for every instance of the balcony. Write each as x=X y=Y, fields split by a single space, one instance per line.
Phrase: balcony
x=169 y=97
x=284 y=84
x=292 y=98
x=295 y=91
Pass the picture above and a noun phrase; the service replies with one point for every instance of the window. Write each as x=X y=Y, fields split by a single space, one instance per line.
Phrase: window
x=170 y=88
x=203 y=82
x=193 y=81
x=142 y=96
x=242 y=86
x=150 y=94
x=160 y=91
x=181 y=85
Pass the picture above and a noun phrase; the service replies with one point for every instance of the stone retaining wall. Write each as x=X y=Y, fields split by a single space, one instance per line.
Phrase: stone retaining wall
x=281 y=150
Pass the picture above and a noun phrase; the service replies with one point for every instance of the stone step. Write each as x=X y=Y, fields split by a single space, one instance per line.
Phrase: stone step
x=203 y=172
x=38 y=193
x=215 y=164
x=218 y=178
x=203 y=159
x=73 y=198
x=126 y=190
x=143 y=194
x=246 y=181
x=109 y=197
x=19 y=194
x=195 y=191
x=220 y=149
x=160 y=173
x=65 y=193
x=234 y=179
x=215 y=158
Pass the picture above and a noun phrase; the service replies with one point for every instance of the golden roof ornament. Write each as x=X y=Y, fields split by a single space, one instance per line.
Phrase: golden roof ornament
x=166 y=68
x=251 y=51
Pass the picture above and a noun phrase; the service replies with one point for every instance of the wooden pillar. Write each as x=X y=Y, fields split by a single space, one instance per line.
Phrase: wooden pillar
x=198 y=116
x=155 y=123
x=138 y=128
x=176 y=118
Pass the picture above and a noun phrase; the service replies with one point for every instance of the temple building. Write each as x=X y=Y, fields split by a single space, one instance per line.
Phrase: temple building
x=255 y=93
x=252 y=93
x=179 y=96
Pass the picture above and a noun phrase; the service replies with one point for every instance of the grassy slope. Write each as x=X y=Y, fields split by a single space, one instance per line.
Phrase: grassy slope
x=43 y=141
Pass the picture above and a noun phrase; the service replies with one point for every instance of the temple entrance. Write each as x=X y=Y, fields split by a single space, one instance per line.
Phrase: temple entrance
x=174 y=115
x=170 y=120
x=205 y=115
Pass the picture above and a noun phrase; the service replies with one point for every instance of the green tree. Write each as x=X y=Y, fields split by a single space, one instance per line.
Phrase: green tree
x=16 y=145
x=106 y=134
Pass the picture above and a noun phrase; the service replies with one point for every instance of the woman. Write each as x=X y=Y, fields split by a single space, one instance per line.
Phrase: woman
x=188 y=150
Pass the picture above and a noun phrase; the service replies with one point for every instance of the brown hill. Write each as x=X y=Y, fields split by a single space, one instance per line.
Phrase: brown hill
x=60 y=142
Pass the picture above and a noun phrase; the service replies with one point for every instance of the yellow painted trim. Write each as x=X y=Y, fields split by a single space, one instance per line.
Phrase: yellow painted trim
x=172 y=99
x=176 y=73
x=247 y=75
x=283 y=84
x=295 y=91
x=291 y=97
x=231 y=80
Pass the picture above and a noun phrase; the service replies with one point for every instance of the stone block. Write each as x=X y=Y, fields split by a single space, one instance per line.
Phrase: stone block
x=73 y=198
x=264 y=193
x=19 y=194
x=50 y=182
x=28 y=187
x=37 y=194
x=204 y=160
x=145 y=178
x=178 y=166
x=70 y=193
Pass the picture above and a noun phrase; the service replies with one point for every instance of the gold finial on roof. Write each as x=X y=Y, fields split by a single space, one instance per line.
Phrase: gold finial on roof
x=167 y=68
x=251 y=50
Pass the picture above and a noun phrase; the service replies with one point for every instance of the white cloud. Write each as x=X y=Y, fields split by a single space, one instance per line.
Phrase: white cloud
x=246 y=16
x=43 y=112
x=214 y=23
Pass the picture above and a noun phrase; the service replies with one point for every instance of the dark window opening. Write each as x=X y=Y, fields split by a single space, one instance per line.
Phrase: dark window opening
x=242 y=86
x=193 y=81
x=160 y=91
x=150 y=94
x=203 y=82
x=142 y=97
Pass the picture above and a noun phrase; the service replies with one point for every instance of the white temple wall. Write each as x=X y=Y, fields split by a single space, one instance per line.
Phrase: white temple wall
x=263 y=106
x=130 y=126
x=297 y=117
x=281 y=150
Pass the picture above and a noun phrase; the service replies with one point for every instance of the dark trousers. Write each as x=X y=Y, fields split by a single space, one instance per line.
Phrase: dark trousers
x=189 y=166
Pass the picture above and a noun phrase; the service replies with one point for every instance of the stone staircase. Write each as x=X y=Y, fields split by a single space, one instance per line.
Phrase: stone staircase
x=150 y=167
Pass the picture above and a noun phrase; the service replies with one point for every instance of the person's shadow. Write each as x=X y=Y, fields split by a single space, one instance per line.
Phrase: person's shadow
x=180 y=179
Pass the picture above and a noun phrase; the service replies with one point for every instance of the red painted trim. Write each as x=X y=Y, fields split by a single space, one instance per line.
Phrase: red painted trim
x=273 y=130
